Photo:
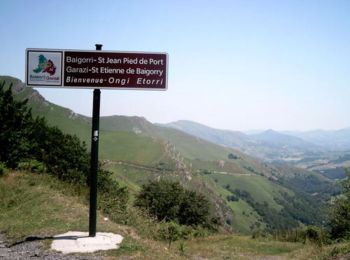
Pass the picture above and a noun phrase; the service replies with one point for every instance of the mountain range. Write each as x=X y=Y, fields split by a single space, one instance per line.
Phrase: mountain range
x=307 y=150
x=332 y=139
x=247 y=193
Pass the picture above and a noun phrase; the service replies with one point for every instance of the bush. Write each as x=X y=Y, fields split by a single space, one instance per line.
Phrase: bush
x=40 y=148
x=3 y=169
x=30 y=141
x=15 y=119
x=170 y=232
x=340 y=250
x=169 y=201
x=232 y=198
x=112 y=198
x=233 y=156
x=32 y=166
x=313 y=234
x=340 y=213
x=316 y=235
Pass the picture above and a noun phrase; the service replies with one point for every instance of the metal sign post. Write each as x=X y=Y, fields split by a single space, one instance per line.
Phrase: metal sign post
x=94 y=157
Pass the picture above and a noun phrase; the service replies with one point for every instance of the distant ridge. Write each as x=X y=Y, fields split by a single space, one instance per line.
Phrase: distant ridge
x=279 y=139
x=269 y=145
x=330 y=139
x=228 y=138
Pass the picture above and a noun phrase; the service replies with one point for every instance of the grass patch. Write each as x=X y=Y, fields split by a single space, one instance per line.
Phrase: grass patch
x=27 y=208
x=244 y=216
x=129 y=247
x=238 y=247
x=259 y=187
x=130 y=147
x=41 y=205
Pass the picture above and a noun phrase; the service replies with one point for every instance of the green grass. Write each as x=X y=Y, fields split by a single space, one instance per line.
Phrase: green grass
x=129 y=147
x=126 y=124
x=259 y=187
x=128 y=176
x=116 y=146
x=40 y=205
x=239 y=247
x=33 y=204
x=244 y=216
x=64 y=119
x=191 y=147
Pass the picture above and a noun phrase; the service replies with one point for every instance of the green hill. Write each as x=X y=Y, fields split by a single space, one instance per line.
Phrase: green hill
x=247 y=194
x=40 y=206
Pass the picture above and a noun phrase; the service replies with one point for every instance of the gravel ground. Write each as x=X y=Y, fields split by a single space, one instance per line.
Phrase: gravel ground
x=34 y=250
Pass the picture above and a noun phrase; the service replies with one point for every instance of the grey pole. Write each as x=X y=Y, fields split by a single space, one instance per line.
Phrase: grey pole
x=94 y=157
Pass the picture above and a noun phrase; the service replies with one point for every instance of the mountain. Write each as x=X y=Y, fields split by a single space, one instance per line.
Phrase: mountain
x=284 y=141
x=323 y=152
x=247 y=194
x=334 y=140
x=267 y=145
x=228 y=138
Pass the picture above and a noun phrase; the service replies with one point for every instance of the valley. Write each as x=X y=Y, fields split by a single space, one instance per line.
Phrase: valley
x=325 y=152
x=247 y=194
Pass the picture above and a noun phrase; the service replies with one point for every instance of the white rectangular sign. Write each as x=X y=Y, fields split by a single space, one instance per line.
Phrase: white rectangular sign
x=44 y=68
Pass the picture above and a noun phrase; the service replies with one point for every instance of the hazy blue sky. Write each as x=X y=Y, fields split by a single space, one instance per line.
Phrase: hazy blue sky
x=233 y=64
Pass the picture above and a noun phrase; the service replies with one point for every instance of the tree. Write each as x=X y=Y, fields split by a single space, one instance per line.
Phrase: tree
x=169 y=201
x=340 y=212
x=162 y=199
x=232 y=156
x=25 y=140
x=15 y=118
x=194 y=209
x=170 y=232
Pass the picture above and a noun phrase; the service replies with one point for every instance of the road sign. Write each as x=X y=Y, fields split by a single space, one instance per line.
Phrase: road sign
x=96 y=69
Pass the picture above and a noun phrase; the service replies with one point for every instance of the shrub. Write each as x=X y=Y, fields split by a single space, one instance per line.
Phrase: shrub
x=232 y=197
x=233 y=156
x=15 y=119
x=40 y=148
x=170 y=232
x=3 y=169
x=169 y=201
x=340 y=212
x=32 y=166
x=112 y=198
x=340 y=250
x=313 y=234
x=316 y=235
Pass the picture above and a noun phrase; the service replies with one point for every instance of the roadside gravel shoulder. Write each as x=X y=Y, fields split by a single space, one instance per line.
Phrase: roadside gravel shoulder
x=35 y=250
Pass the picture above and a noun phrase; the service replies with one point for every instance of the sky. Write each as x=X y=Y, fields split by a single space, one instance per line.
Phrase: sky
x=238 y=65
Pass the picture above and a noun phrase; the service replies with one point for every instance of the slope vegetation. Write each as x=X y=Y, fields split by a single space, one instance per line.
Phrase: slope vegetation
x=246 y=193
x=40 y=206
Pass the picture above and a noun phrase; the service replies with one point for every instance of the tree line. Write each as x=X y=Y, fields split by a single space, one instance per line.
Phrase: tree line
x=30 y=143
